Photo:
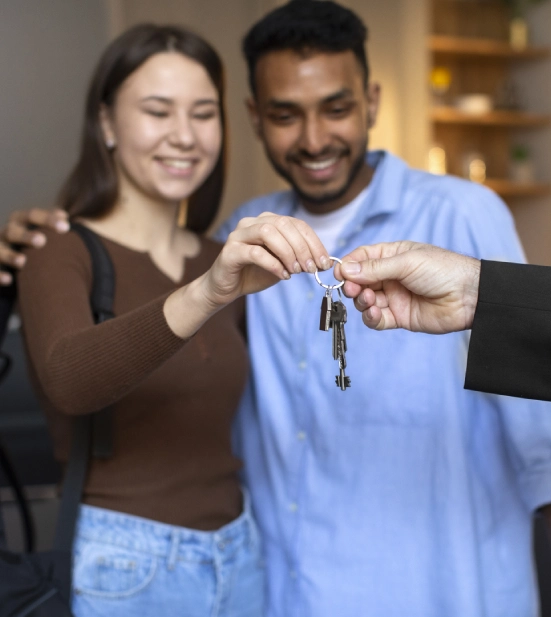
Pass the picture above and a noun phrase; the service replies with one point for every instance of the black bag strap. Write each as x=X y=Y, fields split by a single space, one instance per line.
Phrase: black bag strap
x=103 y=286
x=101 y=301
x=7 y=300
x=98 y=425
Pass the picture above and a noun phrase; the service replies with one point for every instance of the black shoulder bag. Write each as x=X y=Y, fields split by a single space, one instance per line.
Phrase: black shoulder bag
x=39 y=584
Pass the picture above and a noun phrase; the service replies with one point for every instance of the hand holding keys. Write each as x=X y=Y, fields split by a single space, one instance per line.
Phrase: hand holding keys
x=333 y=315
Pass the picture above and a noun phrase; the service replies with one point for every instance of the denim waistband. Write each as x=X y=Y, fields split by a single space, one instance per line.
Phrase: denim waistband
x=163 y=540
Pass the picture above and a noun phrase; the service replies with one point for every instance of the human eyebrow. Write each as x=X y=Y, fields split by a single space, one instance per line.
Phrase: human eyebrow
x=207 y=102
x=159 y=99
x=345 y=93
x=279 y=104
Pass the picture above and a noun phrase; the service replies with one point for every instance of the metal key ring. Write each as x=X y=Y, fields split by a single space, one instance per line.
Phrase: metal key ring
x=329 y=287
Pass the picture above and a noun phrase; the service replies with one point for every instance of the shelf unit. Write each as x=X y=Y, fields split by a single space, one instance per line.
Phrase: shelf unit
x=470 y=39
x=497 y=118
x=463 y=46
x=508 y=189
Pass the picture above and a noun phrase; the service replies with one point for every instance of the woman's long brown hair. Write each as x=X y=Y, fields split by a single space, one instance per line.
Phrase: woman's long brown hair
x=91 y=190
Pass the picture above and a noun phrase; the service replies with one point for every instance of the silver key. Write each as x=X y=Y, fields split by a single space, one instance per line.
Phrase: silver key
x=338 y=319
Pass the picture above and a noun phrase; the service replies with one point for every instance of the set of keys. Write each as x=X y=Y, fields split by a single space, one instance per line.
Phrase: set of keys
x=333 y=316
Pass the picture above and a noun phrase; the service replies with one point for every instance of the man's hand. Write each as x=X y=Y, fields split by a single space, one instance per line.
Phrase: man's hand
x=415 y=286
x=20 y=232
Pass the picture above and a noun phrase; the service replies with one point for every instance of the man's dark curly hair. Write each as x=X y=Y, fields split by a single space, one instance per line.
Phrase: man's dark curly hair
x=304 y=26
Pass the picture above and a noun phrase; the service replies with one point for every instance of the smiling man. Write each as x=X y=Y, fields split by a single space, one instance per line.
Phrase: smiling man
x=405 y=494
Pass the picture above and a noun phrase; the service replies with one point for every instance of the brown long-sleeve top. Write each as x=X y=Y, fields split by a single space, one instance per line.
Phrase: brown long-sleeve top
x=173 y=400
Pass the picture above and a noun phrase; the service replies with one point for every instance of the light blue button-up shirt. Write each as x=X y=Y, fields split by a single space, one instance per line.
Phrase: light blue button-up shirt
x=405 y=495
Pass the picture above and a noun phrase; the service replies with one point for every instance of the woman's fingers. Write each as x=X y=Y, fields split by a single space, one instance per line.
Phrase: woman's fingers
x=293 y=242
x=259 y=256
x=260 y=239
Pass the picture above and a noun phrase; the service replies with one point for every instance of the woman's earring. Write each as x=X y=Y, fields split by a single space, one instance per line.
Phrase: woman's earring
x=182 y=214
x=110 y=143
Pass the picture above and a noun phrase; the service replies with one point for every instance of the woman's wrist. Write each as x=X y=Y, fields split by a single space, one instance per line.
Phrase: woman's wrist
x=189 y=307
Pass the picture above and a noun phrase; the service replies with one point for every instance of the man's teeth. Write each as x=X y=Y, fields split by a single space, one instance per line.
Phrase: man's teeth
x=178 y=164
x=317 y=165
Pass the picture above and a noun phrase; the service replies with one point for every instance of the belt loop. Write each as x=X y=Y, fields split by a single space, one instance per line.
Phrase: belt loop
x=173 y=551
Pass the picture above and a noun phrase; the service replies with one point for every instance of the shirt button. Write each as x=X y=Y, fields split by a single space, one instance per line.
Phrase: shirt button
x=301 y=435
x=292 y=574
x=302 y=365
x=293 y=507
x=341 y=242
x=310 y=295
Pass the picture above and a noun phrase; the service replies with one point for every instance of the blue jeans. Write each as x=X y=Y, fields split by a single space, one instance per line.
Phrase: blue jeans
x=127 y=566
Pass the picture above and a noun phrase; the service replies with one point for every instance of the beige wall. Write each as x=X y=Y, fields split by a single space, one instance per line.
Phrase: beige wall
x=47 y=51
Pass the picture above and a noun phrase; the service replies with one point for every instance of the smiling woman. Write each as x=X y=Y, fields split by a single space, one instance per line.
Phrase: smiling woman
x=164 y=524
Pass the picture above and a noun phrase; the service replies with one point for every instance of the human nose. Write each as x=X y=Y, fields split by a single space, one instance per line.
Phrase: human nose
x=314 y=137
x=182 y=133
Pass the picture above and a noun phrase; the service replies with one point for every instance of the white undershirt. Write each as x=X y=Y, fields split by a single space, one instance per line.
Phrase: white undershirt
x=330 y=226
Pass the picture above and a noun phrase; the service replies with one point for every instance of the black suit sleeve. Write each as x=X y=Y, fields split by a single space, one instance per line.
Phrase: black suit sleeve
x=510 y=347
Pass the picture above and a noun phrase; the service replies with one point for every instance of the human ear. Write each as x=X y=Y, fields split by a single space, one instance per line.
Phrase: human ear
x=254 y=116
x=373 y=97
x=106 y=125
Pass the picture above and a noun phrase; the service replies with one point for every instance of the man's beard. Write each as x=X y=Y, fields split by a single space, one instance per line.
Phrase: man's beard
x=324 y=198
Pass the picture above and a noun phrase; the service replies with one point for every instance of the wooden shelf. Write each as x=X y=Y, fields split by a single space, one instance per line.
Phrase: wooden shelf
x=508 y=188
x=450 y=115
x=492 y=48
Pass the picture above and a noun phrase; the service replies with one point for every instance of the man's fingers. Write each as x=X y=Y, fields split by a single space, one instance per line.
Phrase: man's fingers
x=350 y=289
x=5 y=278
x=56 y=220
x=11 y=258
x=17 y=234
x=372 y=271
x=19 y=227
x=373 y=318
x=379 y=319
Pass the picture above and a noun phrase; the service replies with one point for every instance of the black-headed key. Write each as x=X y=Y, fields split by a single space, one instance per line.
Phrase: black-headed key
x=326 y=306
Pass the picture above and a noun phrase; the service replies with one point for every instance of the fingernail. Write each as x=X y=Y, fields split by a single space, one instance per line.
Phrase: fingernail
x=5 y=279
x=296 y=267
x=19 y=261
x=351 y=267
x=62 y=226
x=369 y=313
x=325 y=262
x=286 y=275
x=311 y=266
x=38 y=240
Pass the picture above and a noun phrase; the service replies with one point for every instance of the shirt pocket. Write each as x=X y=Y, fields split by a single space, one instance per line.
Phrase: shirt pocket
x=108 y=571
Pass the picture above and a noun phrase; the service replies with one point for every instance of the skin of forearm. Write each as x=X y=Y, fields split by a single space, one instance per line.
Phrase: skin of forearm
x=472 y=283
x=188 y=308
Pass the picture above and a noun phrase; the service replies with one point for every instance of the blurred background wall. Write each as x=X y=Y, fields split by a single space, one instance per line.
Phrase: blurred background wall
x=48 y=49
